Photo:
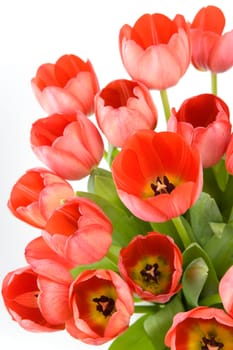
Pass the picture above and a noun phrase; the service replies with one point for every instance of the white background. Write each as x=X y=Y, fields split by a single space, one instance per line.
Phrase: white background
x=36 y=32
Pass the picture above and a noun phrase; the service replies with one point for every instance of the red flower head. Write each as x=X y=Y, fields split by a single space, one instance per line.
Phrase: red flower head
x=158 y=176
x=37 y=304
x=152 y=266
x=123 y=107
x=226 y=291
x=156 y=50
x=71 y=148
x=229 y=156
x=203 y=120
x=79 y=231
x=102 y=305
x=201 y=328
x=36 y=194
x=211 y=49
x=68 y=86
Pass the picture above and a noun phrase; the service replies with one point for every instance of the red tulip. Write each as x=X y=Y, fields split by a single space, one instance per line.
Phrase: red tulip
x=152 y=266
x=30 y=299
x=69 y=148
x=229 y=156
x=122 y=107
x=203 y=120
x=68 y=86
x=79 y=231
x=156 y=50
x=211 y=49
x=226 y=291
x=102 y=305
x=158 y=176
x=36 y=194
x=201 y=328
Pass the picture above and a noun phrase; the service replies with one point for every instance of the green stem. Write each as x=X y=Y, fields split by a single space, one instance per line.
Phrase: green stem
x=211 y=300
x=165 y=102
x=214 y=83
x=113 y=254
x=182 y=232
x=144 y=309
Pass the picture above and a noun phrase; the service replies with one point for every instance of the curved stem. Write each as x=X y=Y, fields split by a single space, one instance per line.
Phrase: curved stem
x=182 y=232
x=214 y=83
x=165 y=102
x=143 y=309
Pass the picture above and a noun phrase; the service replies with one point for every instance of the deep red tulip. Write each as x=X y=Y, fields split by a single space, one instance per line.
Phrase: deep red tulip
x=102 y=305
x=226 y=291
x=156 y=50
x=122 y=107
x=211 y=49
x=37 y=304
x=69 y=148
x=79 y=231
x=203 y=120
x=158 y=176
x=68 y=86
x=201 y=328
x=229 y=156
x=152 y=266
x=36 y=194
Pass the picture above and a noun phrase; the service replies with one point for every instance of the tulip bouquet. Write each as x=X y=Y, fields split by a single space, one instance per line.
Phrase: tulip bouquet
x=153 y=233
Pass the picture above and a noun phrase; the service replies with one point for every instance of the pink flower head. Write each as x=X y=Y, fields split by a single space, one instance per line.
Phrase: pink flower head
x=152 y=266
x=36 y=194
x=79 y=231
x=204 y=121
x=158 y=176
x=37 y=304
x=229 y=156
x=156 y=50
x=68 y=86
x=201 y=328
x=102 y=305
x=122 y=107
x=211 y=49
x=226 y=291
x=71 y=148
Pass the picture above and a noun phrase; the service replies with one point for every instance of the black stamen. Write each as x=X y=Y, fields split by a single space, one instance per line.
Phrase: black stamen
x=151 y=273
x=162 y=185
x=105 y=305
x=210 y=342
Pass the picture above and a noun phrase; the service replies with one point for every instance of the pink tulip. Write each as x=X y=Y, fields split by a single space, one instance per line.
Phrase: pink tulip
x=122 y=107
x=156 y=50
x=79 y=231
x=226 y=291
x=203 y=121
x=36 y=194
x=68 y=86
x=70 y=148
x=102 y=305
x=229 y=156
x=211 y=49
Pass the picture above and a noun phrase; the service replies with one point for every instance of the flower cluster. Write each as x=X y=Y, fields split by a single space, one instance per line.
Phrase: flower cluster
x=153 y=232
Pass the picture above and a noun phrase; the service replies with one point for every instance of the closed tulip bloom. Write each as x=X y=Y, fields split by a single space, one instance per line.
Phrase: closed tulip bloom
x=229 y=156
x=102 y=305
x=68 y=86
x=201 y=328
x=71 y=148
x=211 y=48
x=79 y=231
x=36 y=194
x=26 y=298
x=152 y=266
x=158 y=176
x=122 y=107
x=204 y=121
x=226 y=291
x=156 y=50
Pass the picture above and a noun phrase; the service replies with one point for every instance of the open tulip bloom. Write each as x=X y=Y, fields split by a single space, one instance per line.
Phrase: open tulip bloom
x=153 y=232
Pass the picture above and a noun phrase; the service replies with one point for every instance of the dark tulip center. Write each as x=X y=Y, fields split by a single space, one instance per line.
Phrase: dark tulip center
x=151 y=273
x=211 y=344
x=105 y=305
x=162 y=185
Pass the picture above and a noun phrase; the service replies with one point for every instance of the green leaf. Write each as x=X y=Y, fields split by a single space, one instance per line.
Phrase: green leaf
x=157 y=325
x=194 y=278
x=134 y=338
x=221 y=174
x=201 y=214
x=104 y=263
x=125 y=226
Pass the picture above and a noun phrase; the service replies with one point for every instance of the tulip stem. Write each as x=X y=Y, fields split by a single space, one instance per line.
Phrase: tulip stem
x=214 y=83
x=165 y=102
x=182 y=232
x=144 y=309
